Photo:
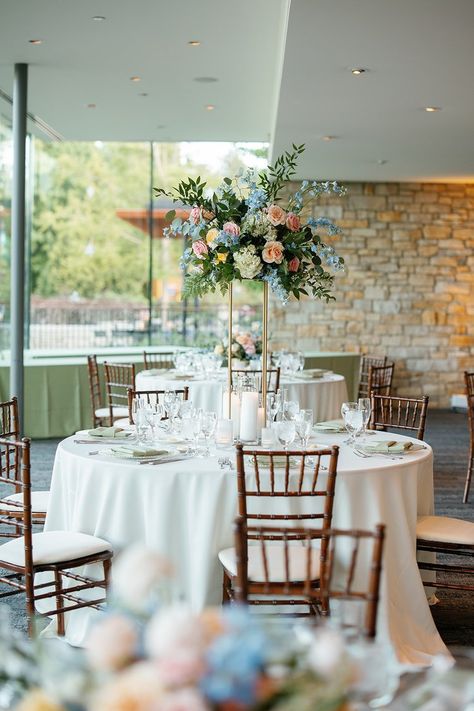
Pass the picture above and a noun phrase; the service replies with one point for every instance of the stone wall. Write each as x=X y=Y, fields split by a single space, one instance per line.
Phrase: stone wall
x=408 y=290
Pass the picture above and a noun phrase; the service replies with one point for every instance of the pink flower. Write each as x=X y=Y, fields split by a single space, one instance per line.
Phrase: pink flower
x=250 y=349
x=112 y=643
x=183 y=700
x=137 y=687
x=276 y=215
x=174 y=630
x=200 y=248
x=232 y=229
x=273 y=252
x=293 y=222
x=293 y=264
x=180 y=667
x=195 y=215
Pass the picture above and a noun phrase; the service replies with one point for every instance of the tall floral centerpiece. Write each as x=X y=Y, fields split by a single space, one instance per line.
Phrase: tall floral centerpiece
x=247 y=230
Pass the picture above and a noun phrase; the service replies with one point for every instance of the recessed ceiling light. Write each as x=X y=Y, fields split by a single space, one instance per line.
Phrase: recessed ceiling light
x=382 y=161
x=210 y=107
x=161 y=125
x=143 y=93
x=206 y=80
x=90 y=106
x=98 y=18
x=328 y=138
x=432 y=109
x=35 y=41
x=357 y=71
x=135 y=78
x=194 y=43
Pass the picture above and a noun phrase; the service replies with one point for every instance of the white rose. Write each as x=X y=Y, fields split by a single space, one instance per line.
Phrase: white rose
x=219 y=349
x=137 y=574
x=235 y=348
x=112 y=643
x=173 y=629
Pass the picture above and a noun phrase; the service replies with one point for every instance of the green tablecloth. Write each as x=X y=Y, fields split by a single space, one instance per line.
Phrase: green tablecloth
x=57 y=388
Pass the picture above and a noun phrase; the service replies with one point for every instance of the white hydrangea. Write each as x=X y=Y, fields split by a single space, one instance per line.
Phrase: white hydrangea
x=248 y=262
x=257 y=224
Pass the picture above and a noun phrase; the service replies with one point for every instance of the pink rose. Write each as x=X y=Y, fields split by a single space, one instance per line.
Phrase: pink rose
x=232 y=229
x=273 y=252
x=276 y=215
x=195 y=215
x=180 y=667
x=112 y=643
x=200 y=248
x=293 y=264
x=293 y=222
x=183 y=700
x=250 y=349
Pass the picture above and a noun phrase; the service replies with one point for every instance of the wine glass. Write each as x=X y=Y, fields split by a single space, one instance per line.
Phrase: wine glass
x=286 y=432
x=353 y=420
x=304 y=426
x=290 y=409
x=169 y=400
x=366 y=409
x=208 y=427
x=273 y=405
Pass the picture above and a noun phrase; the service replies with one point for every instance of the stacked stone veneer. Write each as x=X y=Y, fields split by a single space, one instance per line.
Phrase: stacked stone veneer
x=408 y=289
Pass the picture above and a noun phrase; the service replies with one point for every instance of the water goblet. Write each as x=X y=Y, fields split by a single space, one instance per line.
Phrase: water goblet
x=273 y=405
x=366 y=409
x=353 y=420
x=290 y=409
x=208 y=426
x=286 y=432
x=304 y=426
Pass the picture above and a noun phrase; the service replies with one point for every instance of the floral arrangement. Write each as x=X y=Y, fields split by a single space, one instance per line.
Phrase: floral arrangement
x=245 y=346
x=241 y=231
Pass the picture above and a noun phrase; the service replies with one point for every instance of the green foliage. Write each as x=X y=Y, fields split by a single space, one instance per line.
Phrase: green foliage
x=273 y=179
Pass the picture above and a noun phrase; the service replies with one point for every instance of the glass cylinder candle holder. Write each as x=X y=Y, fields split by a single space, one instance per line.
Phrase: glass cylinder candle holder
x=224 y=435
x=267 y=437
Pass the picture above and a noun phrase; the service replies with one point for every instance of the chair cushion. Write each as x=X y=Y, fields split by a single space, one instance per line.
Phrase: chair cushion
x=117 y=411
x=122 y=422
x=298 y=557
x=53 y=547
x=445 y=530
x=39 y=502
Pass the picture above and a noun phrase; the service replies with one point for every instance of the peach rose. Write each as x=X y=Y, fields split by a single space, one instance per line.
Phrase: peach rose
x=207 y=214
x=184 y=700
x=195 y=215
x=293 y=222
x=232 y=229
x=137 y=574
x=180 y=667
x=212 y=235
x=293 y=264
x=112 y=643
x=138 y=688
x=200 y=248
x=273 y=252
x=276 y=215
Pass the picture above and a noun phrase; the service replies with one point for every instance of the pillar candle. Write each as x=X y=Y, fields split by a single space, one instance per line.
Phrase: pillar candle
x=260 y=421
x=248 y=416
x=234 y=410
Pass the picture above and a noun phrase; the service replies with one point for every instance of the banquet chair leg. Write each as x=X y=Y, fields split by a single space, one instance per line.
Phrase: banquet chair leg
x=226 y=583
x=468 y=476
x=59 y=602
x=107 y=568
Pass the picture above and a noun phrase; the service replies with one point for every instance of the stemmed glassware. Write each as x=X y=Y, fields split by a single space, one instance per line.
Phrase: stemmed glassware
x=290 y=409
x=274 y=402
x=286 y=432
x=171 y=402
x=353 y=420
x=304 y=426
x=366 y=409
x=208 y=427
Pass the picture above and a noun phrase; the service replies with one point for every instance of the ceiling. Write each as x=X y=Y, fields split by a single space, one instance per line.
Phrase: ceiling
x=283 y=75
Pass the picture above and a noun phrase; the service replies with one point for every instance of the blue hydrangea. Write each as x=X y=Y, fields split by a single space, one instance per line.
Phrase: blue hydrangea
x=256 y=199
x=226 y=240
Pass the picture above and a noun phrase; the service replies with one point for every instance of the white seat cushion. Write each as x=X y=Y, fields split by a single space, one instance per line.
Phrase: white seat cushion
x=123 y=422
x=39 y=502
x=445 y=530
x=53 y=547
x=298 y=557
x=117 y=411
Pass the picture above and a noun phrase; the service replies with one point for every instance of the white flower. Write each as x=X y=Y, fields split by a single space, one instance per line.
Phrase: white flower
x=248 y=262
x=112 y=643
x=235 y=348
x=138 y=687
x=219 y=349
x=326 y=652
x=136 y=576
x=172 y=629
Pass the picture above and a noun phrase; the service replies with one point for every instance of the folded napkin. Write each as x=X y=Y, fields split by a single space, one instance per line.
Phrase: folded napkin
x=109 y=432
x=154 y=371
x=182 y=376
x=138 y=452
x=312 y=373
x=330 y=426
x=389 y=446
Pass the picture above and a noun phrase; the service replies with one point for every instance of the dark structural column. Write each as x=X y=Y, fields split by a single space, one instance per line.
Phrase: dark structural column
x=17 y=274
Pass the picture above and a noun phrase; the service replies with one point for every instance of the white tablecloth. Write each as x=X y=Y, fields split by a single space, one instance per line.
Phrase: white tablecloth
x=323 y=395
x=186 y=509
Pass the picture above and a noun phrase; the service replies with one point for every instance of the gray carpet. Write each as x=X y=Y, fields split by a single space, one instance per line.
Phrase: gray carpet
x=448 y=435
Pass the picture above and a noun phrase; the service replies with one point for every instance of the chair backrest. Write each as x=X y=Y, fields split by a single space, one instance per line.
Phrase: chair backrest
x=119 y=377
x=151 y=397
x=94 y=384
x=15 y=475
x=274 y=475
x=365 y=363
x=273 y=378
x=9 y=419
x=380 y=379
x=400 y=413
x=469 y=380
x=350 y=568
x=158 y=360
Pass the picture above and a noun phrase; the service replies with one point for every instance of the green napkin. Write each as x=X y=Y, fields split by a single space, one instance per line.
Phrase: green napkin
x=330 y=426
x=109 y=432
x=311 y=374
x=387 y=446
x=139 y=452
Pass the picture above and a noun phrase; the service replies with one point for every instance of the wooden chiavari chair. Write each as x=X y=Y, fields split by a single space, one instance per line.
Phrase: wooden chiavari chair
x=119 y=377
x=450 y=537
x=57 y=552
x=273 y=378
x=399 y=413
x=10 y=429
x=358 y=567
x=158 y=360
x=303 y=477
x=380 y=379
x=366 y=362
x=100 y=414
x=151 y=397
x=469 y=380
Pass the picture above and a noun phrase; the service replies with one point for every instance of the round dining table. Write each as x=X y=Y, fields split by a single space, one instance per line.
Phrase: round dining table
x=185 y=510
x=323 y=394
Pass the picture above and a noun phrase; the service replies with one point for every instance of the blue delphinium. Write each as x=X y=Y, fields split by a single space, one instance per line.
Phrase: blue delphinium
x=226 y=240
x=235 y=660
x=256 y=199
x=276 y=286
x=325 y=222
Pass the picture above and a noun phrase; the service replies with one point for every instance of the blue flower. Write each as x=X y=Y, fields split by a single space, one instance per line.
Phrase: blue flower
x=256 y=199
x=325 y=222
